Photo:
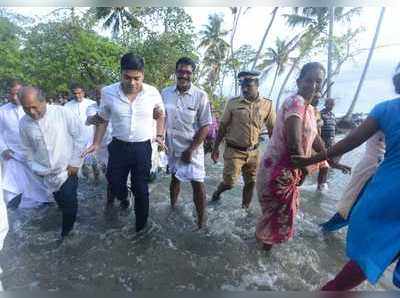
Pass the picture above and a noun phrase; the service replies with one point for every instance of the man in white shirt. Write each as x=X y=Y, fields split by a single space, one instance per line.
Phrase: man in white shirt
x=18 y=180
x=188 y=117
x=79 y=105
x=54 y=141
x=102 y=152
x=129 y=106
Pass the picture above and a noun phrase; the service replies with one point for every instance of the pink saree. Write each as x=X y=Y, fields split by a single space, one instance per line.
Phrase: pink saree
x=277 y=180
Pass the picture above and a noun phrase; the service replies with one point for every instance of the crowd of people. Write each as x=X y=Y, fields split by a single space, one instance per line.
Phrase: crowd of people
x=43 y=147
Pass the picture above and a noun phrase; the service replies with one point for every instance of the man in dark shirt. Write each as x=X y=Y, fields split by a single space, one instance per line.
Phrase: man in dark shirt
x=328 y=131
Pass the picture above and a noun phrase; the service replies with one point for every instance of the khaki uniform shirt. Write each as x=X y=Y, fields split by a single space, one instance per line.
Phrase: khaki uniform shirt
x=243 y=120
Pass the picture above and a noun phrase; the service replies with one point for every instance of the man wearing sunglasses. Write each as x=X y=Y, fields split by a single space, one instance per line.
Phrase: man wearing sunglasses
x=188 y=117
x=241 y=124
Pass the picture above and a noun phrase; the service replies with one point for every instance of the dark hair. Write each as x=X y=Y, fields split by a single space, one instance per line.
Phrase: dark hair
x=14 y=83
x=185 y=61
x=310 y=67
x=76 y=85
x=131 y=61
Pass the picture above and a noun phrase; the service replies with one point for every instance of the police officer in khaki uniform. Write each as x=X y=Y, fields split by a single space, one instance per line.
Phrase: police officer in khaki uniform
x=240 y=127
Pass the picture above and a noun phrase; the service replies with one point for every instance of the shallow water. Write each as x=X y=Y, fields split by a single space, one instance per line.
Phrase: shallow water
x=105 y=253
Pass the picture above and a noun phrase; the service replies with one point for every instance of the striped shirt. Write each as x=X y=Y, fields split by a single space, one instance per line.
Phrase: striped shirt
x=328 y=129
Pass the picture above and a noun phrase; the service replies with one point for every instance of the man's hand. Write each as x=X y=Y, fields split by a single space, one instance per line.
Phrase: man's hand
x=215 y=155
x=95 y=120
x=7 y=154
x=157 y=112
x=161 y=143
x=72 y=171
x=92 y=148
x=187 y=155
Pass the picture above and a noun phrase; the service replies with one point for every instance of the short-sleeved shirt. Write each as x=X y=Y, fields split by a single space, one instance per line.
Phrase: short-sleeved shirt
x=328 y=129
x=243 y=120
x=131 y=121
x=185 y=114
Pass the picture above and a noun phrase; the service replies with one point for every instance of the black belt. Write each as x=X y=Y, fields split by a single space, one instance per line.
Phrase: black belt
x=127 y=143
x=243 y=148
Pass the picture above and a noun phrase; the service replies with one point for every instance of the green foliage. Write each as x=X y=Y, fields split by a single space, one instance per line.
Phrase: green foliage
x=57 y=53
x=161 y=53
x=10 y=64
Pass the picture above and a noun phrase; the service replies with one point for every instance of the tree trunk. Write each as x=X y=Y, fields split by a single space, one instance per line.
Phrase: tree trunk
x=347 y=117
x=234 y=27
x=295 y=63
x=264 y=38
x=274 y=81
x=330 y=46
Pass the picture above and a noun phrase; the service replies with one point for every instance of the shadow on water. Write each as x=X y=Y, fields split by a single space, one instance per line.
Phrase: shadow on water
x=105 y=253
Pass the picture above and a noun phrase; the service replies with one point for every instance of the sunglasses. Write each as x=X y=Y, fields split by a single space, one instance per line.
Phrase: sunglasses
x=184 y=72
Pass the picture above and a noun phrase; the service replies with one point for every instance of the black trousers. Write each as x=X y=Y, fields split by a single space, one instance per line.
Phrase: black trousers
x=133 y=158
x=66 y=198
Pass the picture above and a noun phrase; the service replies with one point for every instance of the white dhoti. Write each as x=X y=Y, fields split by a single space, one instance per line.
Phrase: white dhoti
x=362 y=172
x=186 y=172
x=18 y=178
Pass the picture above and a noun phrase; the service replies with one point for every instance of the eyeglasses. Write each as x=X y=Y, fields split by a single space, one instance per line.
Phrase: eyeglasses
x=184 y=72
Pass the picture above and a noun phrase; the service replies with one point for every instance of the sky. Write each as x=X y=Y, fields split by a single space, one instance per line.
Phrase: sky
x=252 y=26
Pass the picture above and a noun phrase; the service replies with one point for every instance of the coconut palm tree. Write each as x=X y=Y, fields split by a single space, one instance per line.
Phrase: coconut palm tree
x=216 y=48
x=117 y=19
x=264 y=37
x=371 y=51
x=318 y=20
x=278 y=56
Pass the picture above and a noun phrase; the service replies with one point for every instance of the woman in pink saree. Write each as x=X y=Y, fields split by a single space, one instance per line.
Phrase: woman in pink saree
x=277 y=180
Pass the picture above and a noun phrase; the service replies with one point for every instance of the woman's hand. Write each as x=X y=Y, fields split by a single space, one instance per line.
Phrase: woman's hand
x=345 y=169
x=300 y=161
x=304 y=174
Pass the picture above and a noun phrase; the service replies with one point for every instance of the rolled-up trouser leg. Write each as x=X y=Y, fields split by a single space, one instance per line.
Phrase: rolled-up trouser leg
x=66 y=198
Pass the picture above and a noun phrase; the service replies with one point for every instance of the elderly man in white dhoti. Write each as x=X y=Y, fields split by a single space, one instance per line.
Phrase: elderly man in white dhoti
x=54 y=141
x=19 y=183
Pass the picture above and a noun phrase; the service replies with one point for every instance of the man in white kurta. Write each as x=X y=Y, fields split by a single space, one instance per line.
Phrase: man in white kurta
x=17 y=177
x=188 y=117
x=79 y=105
x=54 y=142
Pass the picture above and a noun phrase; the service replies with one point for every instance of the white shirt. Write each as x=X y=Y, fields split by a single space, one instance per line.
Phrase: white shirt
x=131 y=121
x=80 y=110
x=185 y=113
x=53 y=143
x=93 y=110
x=10 y=114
